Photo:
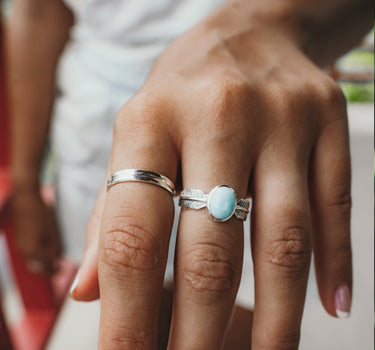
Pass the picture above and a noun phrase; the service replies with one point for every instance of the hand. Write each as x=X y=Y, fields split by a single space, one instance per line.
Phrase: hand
x=236 y=103
x=36 y=229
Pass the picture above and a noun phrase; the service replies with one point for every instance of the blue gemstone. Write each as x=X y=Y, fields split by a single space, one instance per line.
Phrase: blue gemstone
x=221 y=203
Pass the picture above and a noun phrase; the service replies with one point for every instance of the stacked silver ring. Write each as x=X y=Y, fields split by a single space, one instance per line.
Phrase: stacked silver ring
x=137 y=175
x=221 y=202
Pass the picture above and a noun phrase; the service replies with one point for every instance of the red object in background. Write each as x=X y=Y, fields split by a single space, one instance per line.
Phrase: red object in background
x=4 y=335
x=42 y=296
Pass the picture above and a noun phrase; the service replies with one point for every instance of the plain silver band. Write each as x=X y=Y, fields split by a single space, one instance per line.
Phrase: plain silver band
x=138 y=175
x=197 y=199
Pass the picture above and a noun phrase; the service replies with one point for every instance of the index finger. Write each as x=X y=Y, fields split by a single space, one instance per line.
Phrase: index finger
x=135 y=231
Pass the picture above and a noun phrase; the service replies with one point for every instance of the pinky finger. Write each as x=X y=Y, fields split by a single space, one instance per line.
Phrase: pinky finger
x=331 y=209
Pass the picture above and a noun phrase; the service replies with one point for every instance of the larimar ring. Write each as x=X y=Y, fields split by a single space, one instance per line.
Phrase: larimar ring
x=221 y=203
x=138 y=175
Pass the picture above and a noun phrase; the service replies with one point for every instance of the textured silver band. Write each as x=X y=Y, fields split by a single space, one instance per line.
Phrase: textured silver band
x=138 y=175
x=197 y=199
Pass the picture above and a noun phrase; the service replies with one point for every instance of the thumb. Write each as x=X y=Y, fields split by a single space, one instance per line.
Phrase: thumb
x=86 y=286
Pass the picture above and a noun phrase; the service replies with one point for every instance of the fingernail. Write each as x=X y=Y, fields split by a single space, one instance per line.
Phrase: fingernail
x=74 y=285
x=343 y=301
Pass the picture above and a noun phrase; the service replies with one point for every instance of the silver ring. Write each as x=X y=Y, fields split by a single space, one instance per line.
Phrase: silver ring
x=221 y=203
x=137 y=175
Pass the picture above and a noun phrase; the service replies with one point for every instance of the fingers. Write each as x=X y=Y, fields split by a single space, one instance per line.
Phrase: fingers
x=331 y=206
x=37 y=232
x=86 y=285
x=135 y=230
x=45 y=247
x=208 y=260
x=280 y=244
x=132 y=260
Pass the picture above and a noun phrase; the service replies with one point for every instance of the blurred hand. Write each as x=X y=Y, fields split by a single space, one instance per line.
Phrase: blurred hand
x=238 y=103
x=37 y=233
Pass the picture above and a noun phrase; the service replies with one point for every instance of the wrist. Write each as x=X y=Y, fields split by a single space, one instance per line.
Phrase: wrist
x=25 y=180
x=322 y=30
x=274 y=17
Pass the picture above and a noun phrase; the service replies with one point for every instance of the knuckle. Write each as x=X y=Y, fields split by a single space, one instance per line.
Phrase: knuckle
x=142 y=127
x=292 y=97
x=151 y=102
x=289 y=249
x=288 y=98
x=291 y=92
x=332 y=97
x=144 y=112
x=225 y=91
x=341 y=200
x=281 y=341
x=210 y=268
x=131 y=339
x=327 y=96
x=127 y=244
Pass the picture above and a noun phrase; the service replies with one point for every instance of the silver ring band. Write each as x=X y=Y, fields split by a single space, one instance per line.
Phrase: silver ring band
x=137 y=175
x=221 y=203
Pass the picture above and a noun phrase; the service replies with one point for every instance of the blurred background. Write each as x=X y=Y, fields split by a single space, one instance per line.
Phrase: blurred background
x=35 y=315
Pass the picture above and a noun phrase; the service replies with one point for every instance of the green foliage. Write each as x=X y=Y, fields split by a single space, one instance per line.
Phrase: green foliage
x=357 y=60
x=358 y=92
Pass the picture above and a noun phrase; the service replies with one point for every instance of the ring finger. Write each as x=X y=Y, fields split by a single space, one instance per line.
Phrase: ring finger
x=209 y=254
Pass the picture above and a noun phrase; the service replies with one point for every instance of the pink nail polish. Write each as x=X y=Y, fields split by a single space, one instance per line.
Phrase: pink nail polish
x=343 y=301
